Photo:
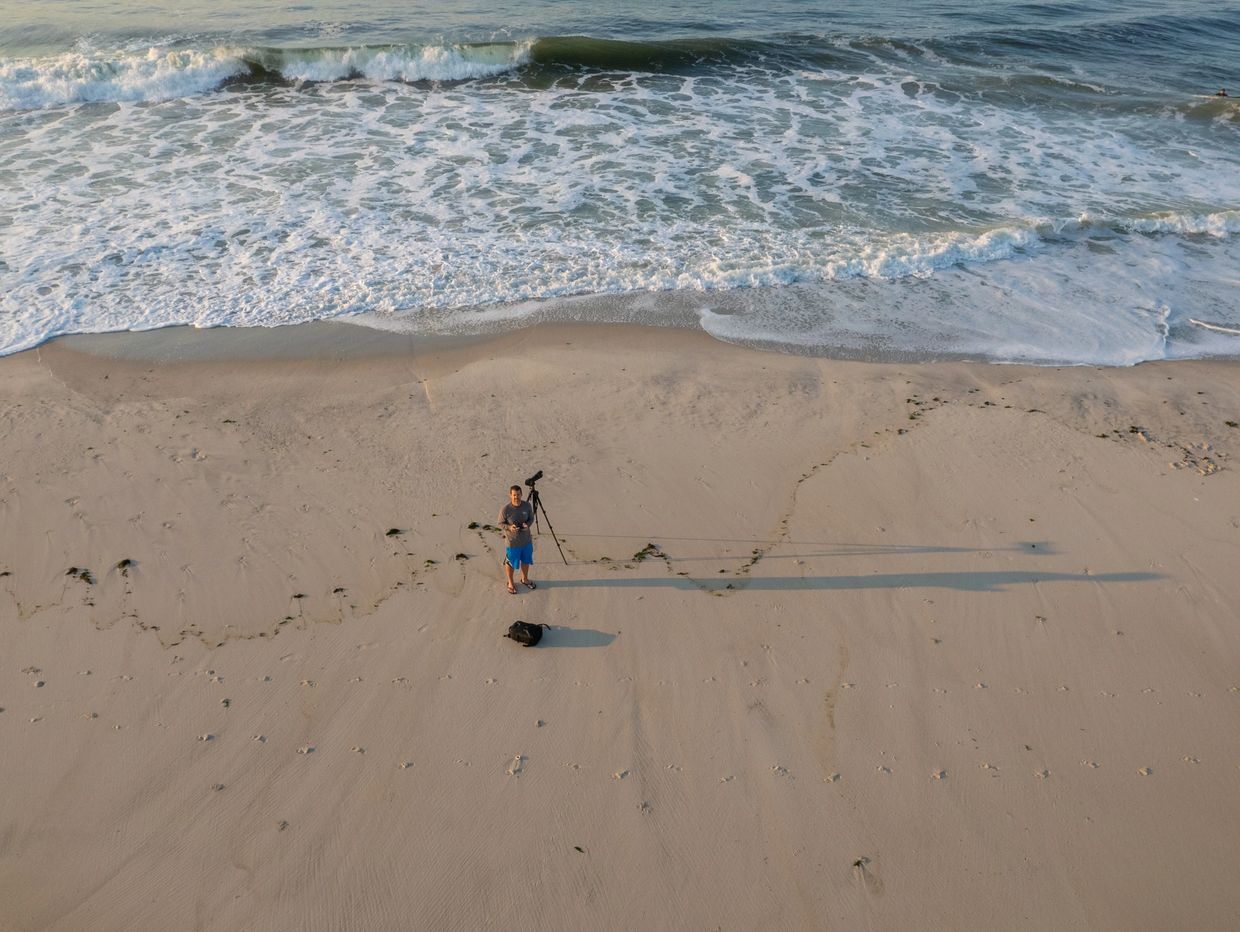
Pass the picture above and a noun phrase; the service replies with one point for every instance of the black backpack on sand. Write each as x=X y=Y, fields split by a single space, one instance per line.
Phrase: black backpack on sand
x=525 y=632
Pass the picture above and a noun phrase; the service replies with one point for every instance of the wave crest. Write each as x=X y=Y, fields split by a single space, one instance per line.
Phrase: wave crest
x=164 y=74
x=1218 y=224
x=410 y=63
x=156 y=74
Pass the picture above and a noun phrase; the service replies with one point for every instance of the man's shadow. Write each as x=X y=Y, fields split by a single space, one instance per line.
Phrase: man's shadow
x=1037 y=548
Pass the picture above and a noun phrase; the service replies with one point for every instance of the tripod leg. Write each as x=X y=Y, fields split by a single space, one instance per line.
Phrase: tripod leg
x=538 y=506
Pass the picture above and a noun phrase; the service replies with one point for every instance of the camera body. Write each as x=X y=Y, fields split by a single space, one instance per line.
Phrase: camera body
x=534 y=478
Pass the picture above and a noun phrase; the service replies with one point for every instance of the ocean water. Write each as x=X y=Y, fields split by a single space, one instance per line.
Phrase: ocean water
x=1012 y=181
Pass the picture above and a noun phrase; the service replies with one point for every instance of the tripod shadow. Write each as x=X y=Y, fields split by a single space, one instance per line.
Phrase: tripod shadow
x=960 y=582
x=1037 y=548
x=561 y=636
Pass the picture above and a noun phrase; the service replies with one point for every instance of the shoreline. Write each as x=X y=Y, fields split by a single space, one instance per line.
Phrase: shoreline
x=339 y=339
x=837 y=643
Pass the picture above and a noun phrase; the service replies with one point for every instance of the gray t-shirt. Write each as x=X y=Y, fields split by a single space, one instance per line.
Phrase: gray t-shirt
x=516 y=514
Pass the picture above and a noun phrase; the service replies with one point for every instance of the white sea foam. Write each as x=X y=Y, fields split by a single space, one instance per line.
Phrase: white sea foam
x=404 y=63
x=878 y=210
x=1220 y=223
x=162 y=73
x=1216 y=328
x=78 y=77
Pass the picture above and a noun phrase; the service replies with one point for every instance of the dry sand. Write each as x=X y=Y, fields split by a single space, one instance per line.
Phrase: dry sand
x=838 y=645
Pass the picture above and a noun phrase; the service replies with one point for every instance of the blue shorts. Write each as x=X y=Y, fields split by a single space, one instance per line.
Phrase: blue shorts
x=515 y=556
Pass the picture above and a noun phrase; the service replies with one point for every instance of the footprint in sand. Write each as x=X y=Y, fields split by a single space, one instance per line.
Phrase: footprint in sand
x=939 y=775
x=619 y=774
x=1145 y=771
x=1041 y=774
x=405 y=764
x=831 y=778
x=206 y=737
x=306 y=749
x=1091 y=764
x=728 y=779
x=357 y=750
x=1191 y=760
x=518 y=763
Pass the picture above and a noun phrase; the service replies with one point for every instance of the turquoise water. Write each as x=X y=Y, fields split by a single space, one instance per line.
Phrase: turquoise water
x=1013 y=181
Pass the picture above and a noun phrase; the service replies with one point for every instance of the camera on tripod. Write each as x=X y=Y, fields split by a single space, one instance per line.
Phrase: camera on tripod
x=537 y=506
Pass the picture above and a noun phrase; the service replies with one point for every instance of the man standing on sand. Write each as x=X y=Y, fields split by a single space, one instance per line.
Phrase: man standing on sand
x=515 y=518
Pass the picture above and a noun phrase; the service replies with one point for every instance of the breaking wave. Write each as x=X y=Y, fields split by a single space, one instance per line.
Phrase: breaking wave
x=164 y=74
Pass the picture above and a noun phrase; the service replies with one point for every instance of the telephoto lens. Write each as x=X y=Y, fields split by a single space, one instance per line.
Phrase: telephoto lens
x=534 y=478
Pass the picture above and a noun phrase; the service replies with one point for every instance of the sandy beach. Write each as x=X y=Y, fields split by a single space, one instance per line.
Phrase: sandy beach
x=838 y=645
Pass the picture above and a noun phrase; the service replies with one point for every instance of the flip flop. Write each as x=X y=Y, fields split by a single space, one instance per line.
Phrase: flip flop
x=529 y=584
x=512 y=590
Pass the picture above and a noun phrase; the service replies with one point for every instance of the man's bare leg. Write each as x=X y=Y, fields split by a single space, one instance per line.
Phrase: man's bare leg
x=512 y=587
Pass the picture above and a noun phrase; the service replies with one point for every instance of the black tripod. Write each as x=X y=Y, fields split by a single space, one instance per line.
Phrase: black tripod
x=537 y=506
